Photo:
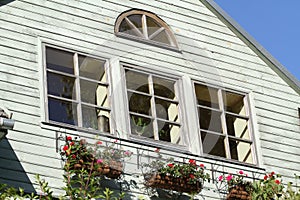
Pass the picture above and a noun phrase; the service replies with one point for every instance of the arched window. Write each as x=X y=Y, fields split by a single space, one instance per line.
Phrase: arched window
x=145 y=26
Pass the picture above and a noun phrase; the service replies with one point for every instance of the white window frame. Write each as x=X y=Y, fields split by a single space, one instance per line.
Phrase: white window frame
x=45 y=116
x=250 y=123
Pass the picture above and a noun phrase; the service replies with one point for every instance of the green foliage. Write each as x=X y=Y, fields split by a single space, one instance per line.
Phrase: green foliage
x=291 y=193
x=237 y=180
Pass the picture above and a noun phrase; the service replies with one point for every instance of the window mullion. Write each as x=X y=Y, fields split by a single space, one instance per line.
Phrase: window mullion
x=223 y=122
x=134 y=28
x=144 y=25
x=77 y=88
x=153 y=110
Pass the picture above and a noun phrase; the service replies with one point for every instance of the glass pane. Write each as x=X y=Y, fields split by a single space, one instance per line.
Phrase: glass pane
x=139 y=103
x=137 y=81
x=125 y=28
x=240 y=151
x=137 y=21
x=210 y=120
x=213 y=144
x=207 y=96
x=92 y=68
x=162 y=37
x=141 y=126
x=95 y=118
x=62 y=86
x=234 y=103
x=62 y=111
x=152 y=25
x=166 y=110
x=164 y=88
x=237 y=127
x=59 y=60
x=169 y=132
x=94 y=93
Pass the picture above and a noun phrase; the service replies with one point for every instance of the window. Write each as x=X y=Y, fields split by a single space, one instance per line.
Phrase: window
x=224 y=123
x=142 y=25
x=153 y=106
x=77 y=90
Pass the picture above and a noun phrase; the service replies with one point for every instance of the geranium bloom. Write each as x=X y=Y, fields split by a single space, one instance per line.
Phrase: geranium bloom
x=241 y=172
x=170 y=165
x=277 y=181
x=220 y=178
x=157 y=150
x=72 y=143
x=192 y=162
x=99 y=161
x=201 y=165
x=229 y=177
x=127 y=153
x=192 y=176
x=69 y=138
x=73 y=156
x=99 y=142
x=65 y=148
x=265 y=177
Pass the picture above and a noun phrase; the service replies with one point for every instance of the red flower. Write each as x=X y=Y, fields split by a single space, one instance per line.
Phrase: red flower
x=72 y=143
x=73 y=156
x=241 y=172
x=192 y=162
x=265 y=177
x=272 y=173
x=157 y=150
x=192 y=176
x=99 y=142
x=66 y=148
x=170 y=165
x=201 y=165
x=69 y=138
x=277 y=181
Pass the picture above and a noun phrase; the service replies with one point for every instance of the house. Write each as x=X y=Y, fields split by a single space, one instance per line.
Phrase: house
x=180 y=76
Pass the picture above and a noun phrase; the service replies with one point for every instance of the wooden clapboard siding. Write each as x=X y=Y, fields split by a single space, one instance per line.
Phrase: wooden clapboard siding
x=209 y=52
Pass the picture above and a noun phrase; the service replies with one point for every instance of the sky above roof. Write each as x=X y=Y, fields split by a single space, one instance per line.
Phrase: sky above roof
x=273 y=24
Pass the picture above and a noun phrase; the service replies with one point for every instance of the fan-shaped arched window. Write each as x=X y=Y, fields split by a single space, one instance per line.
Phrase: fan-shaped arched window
x=142 y=25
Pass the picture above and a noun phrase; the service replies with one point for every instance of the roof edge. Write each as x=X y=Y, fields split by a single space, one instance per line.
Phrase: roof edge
x=291 y=80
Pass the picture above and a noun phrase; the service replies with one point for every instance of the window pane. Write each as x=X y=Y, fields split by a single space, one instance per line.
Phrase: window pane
x=92 y=68
x=141 y=126
x=95 y=118
x=62 y=111
x=169 y=132
x=59 y=60
x=166 y=110
x=93 y=93
x=162 y=37
x=164 y=88
x=213 y=144
x=152 y=25
x=139 y=103
x=62 y=86
x=240 y=151
x=207 y=96
x=237 y=127
x=136 y=20
x=234 y=103
x=137 y=81
x=125 y=28
x=210 y=120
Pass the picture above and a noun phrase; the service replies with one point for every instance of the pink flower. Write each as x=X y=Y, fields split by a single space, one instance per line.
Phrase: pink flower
x=201 y=165
x=115 y=141
x=229 y=177
x=220 y=178
x=241 y=172
x=127 y=153
x=157 y=150
x=99 y=161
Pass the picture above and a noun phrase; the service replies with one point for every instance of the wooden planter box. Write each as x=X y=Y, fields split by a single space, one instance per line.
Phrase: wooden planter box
x=172 y=183
x=238 y=193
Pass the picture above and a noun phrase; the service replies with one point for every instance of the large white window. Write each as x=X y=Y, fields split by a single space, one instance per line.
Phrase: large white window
x=224 y=123
x=153 y=106
x=77 y=89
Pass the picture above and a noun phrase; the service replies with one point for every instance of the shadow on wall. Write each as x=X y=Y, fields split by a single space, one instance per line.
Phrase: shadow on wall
x=4 y=2
x=11 y=171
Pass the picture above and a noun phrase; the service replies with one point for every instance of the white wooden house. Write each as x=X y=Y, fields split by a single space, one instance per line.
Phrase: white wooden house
x=202 y=88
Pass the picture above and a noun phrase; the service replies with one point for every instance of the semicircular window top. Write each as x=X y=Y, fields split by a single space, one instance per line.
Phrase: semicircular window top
x=145 y=26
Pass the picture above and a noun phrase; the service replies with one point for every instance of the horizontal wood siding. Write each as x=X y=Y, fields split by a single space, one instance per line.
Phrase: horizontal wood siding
x=209 y=52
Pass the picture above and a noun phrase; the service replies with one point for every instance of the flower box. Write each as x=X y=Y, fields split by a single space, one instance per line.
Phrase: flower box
x=179 y=184
x=113 y=170
x=238 y=192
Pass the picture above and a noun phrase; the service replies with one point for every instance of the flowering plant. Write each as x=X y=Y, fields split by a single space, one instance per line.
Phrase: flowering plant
x=237 y=180
x=190 y=171
x=268 y=188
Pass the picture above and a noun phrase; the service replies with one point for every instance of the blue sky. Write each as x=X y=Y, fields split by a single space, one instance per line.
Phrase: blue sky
x=274 y=24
